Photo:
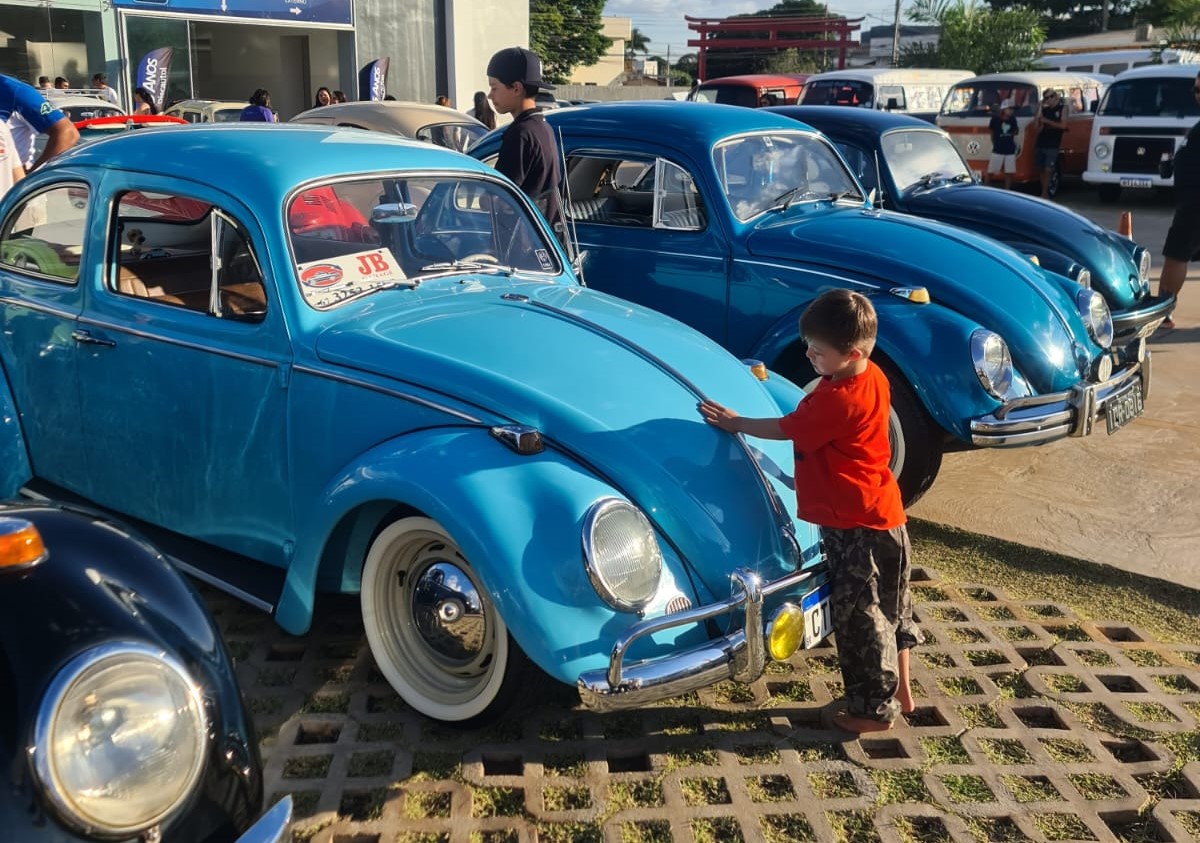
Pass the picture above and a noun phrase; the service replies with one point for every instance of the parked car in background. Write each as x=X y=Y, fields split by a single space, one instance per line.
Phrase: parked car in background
x=734 y=220
x=207 y=111
x=122 y=714
x=1145 y=114
x=79 y=104
x=1112 y=62
x=103 y=127
x=329 y=368
x=971 y=104
x=751 y=90
x=434 y=124
x=911 y=90
x=915 y=168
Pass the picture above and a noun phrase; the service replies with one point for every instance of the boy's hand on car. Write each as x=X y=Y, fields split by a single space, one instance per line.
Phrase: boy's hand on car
x=719 y=416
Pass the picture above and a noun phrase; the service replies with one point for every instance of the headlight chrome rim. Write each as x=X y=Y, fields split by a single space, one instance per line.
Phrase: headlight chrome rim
x=1096 y=315
x=1143 y=261
x=41 y=753
x=597 y=512
x=995 y=374
x=1083 y=277
x=1101 y=151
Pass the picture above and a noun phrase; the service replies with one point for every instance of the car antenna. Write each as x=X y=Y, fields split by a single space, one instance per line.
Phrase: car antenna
x=569 y=231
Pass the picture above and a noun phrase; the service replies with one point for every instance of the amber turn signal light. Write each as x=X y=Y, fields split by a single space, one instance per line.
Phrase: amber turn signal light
x=20 y=544
x=757 y=368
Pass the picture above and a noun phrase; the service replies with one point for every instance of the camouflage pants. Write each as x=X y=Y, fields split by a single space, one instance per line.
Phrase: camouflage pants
x=872 y=614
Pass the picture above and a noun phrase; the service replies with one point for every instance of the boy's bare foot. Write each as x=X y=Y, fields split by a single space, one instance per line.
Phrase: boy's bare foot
x=904 y=697
x=846 y=720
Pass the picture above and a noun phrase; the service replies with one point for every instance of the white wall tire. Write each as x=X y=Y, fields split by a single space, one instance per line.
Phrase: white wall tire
x=474 y=682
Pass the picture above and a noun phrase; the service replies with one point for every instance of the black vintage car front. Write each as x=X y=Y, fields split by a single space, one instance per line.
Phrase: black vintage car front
x=120 y=715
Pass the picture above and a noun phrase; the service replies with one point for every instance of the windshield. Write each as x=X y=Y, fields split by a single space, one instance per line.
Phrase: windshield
x=838 y=92
x=1150 y=97
x=456 y=136
x=76 y=113
x=978 y=99
x=922 y=159
x=743 y=95
x=227 y=115
x=353 y=238
x=761 y=172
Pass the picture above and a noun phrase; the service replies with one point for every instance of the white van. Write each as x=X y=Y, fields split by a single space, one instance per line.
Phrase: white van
x=1113 y=62
x=912 y=90
x=1144 y=115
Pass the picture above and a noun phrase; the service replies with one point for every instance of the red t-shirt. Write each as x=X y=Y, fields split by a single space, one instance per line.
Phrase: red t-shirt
x=839 y=434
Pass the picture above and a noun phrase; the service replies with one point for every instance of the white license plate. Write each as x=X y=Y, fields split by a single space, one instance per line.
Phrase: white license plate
x=1132 y=181
x=1119 y=411
x=818 y=615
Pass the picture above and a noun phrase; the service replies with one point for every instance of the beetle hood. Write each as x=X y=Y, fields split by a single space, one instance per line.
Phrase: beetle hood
x=980 y=278
x=1012 y=217
x=612 y=383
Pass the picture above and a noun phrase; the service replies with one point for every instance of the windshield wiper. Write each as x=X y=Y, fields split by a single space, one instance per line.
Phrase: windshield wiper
x=784 y=200
x=476 y=266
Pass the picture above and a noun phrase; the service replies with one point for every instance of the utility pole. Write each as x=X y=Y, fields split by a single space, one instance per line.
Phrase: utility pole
x=896 y=37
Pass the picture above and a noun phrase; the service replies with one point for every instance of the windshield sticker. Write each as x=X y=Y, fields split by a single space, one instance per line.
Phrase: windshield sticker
x=334 y=279
x=543 y=257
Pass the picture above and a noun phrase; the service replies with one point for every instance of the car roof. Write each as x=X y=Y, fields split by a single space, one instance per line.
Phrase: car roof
x=688 y=125
x=82 y=101
x=856 y=122
x=1041 y=78
x=249 y=159
x=1175 y=70
x=406 y=116
x=757 y=79
x=203 y=104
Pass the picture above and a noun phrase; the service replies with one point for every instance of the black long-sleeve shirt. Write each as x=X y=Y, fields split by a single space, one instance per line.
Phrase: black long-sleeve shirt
x=529 y=156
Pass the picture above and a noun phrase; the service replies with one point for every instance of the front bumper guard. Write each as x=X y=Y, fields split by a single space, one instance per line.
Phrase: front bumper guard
x=1044 y=418
x=737 y=655
x=1129 y=325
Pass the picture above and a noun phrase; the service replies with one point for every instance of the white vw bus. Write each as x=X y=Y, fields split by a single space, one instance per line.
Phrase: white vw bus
x=910 y=90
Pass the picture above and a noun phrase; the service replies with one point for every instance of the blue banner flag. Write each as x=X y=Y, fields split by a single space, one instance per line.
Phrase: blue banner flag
x=372 y=80
x=153 y=71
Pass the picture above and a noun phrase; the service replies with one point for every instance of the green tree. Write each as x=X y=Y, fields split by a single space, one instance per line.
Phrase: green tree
x=638 y=42
x=974 y=37
x=1183 y=23
x=566 y=34
x=1067 y=18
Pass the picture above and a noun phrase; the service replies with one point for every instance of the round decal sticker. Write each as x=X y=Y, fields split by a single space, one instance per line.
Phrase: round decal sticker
x=321 y=275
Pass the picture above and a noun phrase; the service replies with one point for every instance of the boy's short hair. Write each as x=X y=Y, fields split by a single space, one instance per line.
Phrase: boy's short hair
x=841 y=318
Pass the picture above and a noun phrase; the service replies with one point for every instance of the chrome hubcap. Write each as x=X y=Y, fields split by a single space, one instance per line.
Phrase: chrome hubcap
x=448 y=614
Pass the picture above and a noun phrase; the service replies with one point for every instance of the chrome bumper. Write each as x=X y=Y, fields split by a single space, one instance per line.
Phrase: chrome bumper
x=273 y=826
x=736 y=656
x=1044 y=418
x=1131 y=325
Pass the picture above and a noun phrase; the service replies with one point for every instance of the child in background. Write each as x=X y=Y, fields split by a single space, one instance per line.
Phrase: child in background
x=843 y=484
x=1004 y=129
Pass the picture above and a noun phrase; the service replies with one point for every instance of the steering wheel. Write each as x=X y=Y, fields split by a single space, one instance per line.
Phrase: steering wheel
x=480 y=257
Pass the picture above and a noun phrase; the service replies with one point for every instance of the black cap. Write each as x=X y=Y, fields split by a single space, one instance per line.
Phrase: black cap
x=516 y=64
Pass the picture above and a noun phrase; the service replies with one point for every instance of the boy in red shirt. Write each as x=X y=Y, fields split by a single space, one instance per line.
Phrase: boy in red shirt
x=843 y=484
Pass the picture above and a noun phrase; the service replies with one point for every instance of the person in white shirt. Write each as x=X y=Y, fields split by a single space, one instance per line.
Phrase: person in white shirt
x=100 y=82
x=11 y=168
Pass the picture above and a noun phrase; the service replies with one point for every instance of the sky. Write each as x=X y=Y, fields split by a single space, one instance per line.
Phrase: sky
x=662 y=20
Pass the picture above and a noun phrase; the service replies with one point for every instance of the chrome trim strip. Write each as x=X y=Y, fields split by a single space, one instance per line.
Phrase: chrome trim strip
x=194 y=346
x=222 y=585
x=816 y=270
x=1066 y=396
x=1125 y=321
x=17 y=301
x=383 y=390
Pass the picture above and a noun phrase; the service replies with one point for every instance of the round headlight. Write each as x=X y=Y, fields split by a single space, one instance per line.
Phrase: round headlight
x=1084 y=277
x=120 y=739
x=622 y=555
x=1144 y=266
x=992 y=361
x=1094 y=310
x=1101 y=150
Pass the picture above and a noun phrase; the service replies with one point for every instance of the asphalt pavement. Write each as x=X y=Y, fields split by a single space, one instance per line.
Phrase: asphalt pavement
x=1128 y=500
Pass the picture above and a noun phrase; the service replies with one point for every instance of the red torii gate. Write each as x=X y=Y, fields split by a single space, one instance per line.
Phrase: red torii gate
x=773 y=26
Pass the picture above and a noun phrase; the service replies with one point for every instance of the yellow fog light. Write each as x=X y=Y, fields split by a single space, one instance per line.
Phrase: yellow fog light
x=785 y=632
x=757 y=368
x=20 y=544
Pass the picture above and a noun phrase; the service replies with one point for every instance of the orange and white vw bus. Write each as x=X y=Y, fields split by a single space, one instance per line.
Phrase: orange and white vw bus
x=970 y=105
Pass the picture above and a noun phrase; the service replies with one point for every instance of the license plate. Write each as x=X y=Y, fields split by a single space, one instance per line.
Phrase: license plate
x=1119 y=411
x=818 y=615
x=1134 y=181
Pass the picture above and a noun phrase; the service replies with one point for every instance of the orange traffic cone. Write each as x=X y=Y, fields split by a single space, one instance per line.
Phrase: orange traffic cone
x=1125 y=227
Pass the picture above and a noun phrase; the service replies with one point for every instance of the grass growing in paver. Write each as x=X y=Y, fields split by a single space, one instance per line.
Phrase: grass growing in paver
x=561 y=730
x=717 y=830
x=503 y=835
x=647 y=831
x=420 y=837
x=1146 y=658
x=566 y=798
x=1151 y=712
x=1005 y=751
x=996 y=613
x=325 y=703
x=756 y=753
x=497 y=802
x=1097 y=717
x=852 y=827
x=304 y=802
x=985 y=658
x=1012 y=685
x=1031 y=788
x=1097 y=786
x=936 y=659
x=995 y=830
x=643 y=793
x=705 y=790
x=819 y=751
x=965 y=635
x=364 y=764
x=435 y=766
x=959 y=686
x=834 y=785
x=1190 y=820
x=691 y=757
x=798 y=691
x=576 y=832
x=968 y=789
x=776 y=788
x=732 y=692
x=1065 y=683
x=899 y=786
x=371 y=732
x=1095 y=658
x=426 y=805
x=363 y=805
x=307 y=767
x=1067 y=751
x=682 y=724
x=946 y=614
x=945 y=749
x=740 y=721
x=1062 y=827
x=1168 y=785
x=786 y=828
x=1175 y=683
x=572 y=766
x=980 y=717
x=921 y=830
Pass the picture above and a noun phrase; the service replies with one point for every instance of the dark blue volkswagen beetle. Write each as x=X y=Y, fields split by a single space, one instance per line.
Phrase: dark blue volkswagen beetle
x=915 y=168
x=120 y=717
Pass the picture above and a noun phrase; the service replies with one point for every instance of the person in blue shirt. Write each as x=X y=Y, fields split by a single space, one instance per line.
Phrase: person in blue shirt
x=29 y=113
x=259 y=109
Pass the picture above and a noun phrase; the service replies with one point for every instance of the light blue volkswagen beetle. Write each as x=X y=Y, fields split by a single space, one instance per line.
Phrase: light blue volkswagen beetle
x=325 y=360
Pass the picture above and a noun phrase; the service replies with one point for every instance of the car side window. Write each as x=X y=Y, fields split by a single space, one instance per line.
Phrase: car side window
x=183 y=252
x=677 y=202
x=632 y=191
x=887 y=93
x=44 y=235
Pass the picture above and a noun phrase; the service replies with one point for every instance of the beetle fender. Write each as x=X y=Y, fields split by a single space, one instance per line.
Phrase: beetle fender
x=517 y=519
x=14 y=458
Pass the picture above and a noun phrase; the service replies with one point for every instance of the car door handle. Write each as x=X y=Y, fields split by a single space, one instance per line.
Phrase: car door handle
x=86 y=338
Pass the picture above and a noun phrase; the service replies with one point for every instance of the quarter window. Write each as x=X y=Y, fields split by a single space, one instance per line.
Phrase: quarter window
x=635 y=192
x=44 y=234
x=187 y=253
